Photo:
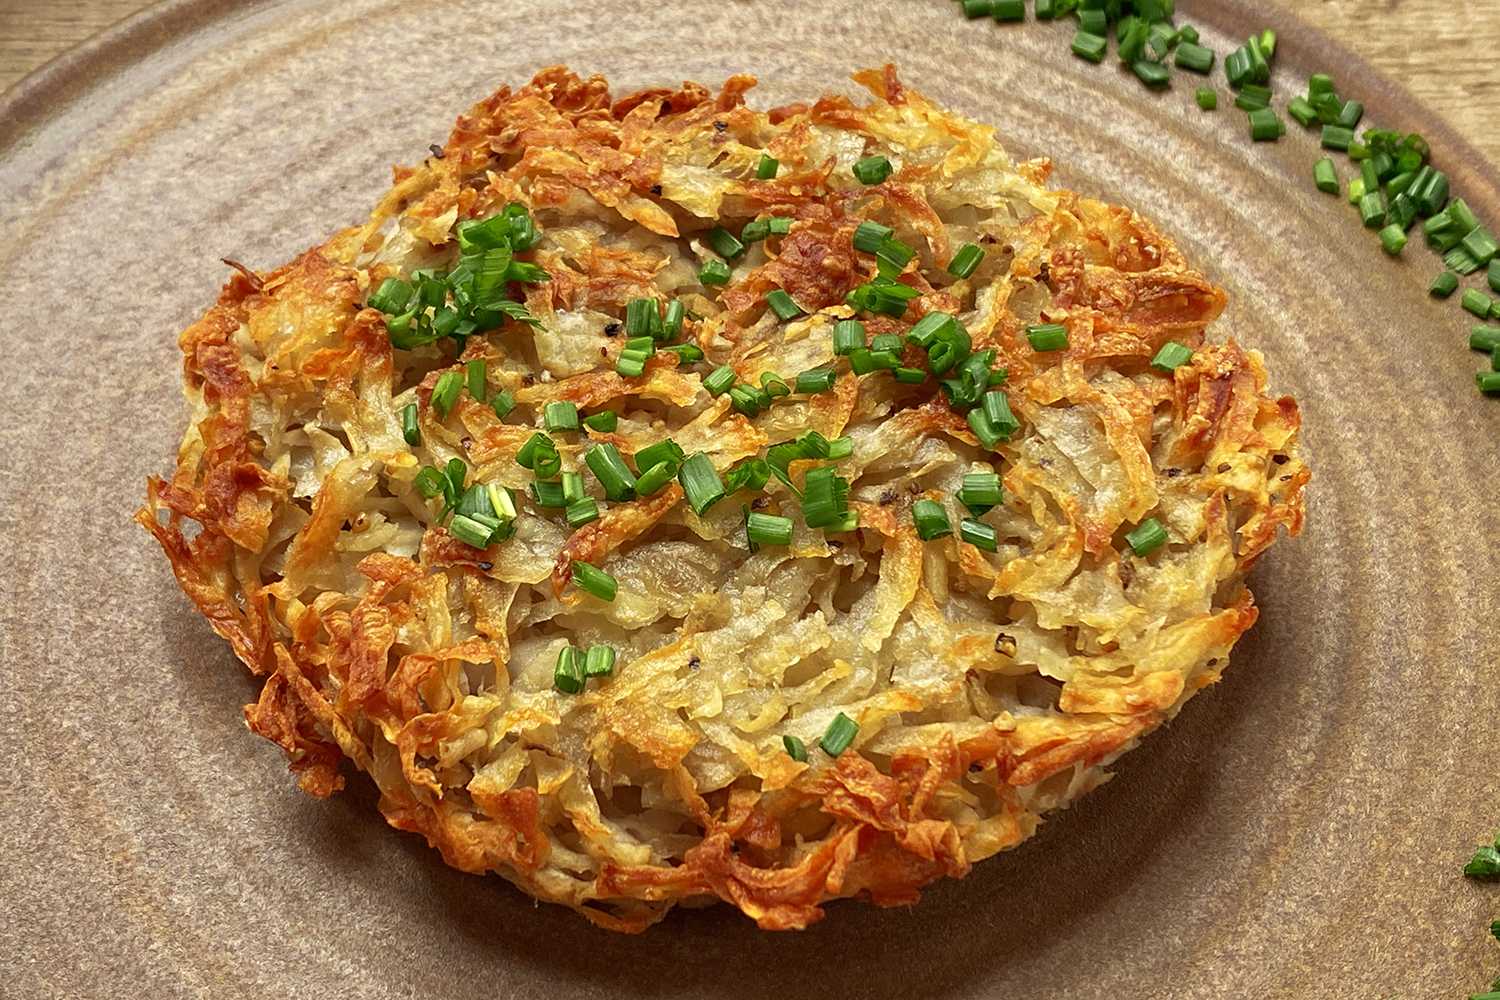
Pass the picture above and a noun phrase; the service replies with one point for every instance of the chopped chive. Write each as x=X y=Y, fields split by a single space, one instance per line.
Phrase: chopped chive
x=654 y=477
x=981 y=492
x=1393 y=240
x=1476 y=302
x=1094 y=20
x=671 y=324
x=1458 y=259
x=795 y=748
x=1337 y=137
x=987 y=433
x=503 y=402
x=965 y=260
x=700 y=482
x=605 y=421
x=457 y=472
x=840 y=733
x=841 y=447
x=910 y=376
x=774 y=385
x=886 y=342
x=755 y=231
x=976 y=8
x=769 y=529
x=723 y=243
x=1461 y=216
x=930 y=328
x=641 y=345
x=1152 y=74
x=751 y=474
x=1009 y=10
x=501 y=502
x=469 y=531
x=477 y=374
x=1047 y=336
x=392 y=297
x=599 y=661
x=978 y=534
x=445 y=392
x=1171 y=356
x=745 y=399
x=1266 y=125
x=848 y=336
x=816 y=380
x=1430 y=190
x=592 y=580
x=1188 y=33
x=631 y=364
x=1325 y=176
x=1207 y=98
x=1493 y=275
x=872 y=169
x=997 y=411
x=1194 y=57
x=603 y=459
x=825 y=497
x=713 y=272
x=1481 y=245
x=1370 y=175
x=568 y=675
x=783 y=305
x=893 y=256
x=572 y=487
x=1253 y=97
x=1147 y=537
x=560 y=415
x=549 y=495
x=1305 y=114
x=869 y=236
x=1356 y=188
x=931 y=520
x=1401 y=211
x=766 y=168
x=642 y=318
x=1130 y=39
x=1444 y=285
x=779 y=225
x=409 y=428
x=665 y=450
x=1090 y=46
x=1352 y=112
x=719 y=380
x=1488 y=382
x=432 y=483
x=1484 y=338
x=1372 y=210
x=581 y=512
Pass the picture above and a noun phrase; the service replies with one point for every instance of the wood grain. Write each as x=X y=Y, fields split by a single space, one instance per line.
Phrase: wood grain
x=33 y=31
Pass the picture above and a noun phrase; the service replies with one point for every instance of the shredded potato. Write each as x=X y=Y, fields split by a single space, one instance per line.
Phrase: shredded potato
x=987 y=688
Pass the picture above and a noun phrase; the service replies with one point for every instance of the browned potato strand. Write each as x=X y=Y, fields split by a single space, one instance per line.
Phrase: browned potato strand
x=987 y=688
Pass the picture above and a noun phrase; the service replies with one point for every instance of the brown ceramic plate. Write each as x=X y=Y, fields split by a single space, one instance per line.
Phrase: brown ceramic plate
x=1297 y=832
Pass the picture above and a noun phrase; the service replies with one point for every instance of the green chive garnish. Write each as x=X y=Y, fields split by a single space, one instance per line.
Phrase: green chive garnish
x=1393 y=240
x=592 y=580
x=766 y=168
x=931 y=520
x=599 y=661
x=1476 y=302
x=1266 y=125
x=981 y=492
x=1090 y=46
x=872 y=169
x=581 y=512
x=795 y=748
x=978 y=534
x=724 y=243
x=1444 y=285
x=654 y=477
x=700 y=482
x=445 y=392
x=1195 y=58
x=503 y=402
x=719 y=380
x=567 y=676
x=469 y=531
x=848 y=336
x=1147 y=537
x=604 y=461
x=783 y=305
x=965 y=260
x=870 y=235
x=560 y=415
x=714 y=272
x=604 y=421
x=841 y=732
x=1047 y=336
x=1171 y=356
x=1207 y=98
x=409 y=428
x=815 y=380
x=769 y=529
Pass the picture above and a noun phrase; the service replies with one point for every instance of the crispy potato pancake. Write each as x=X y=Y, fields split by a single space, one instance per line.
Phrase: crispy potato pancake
x=985 y=687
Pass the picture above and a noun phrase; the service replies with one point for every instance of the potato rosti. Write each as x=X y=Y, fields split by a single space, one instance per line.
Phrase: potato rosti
x=664 y=500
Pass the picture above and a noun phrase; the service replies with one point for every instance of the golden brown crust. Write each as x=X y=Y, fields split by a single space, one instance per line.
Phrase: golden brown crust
x=988 y=688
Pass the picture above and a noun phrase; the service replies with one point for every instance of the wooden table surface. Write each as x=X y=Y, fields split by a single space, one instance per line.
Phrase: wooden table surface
x=1452 y=67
